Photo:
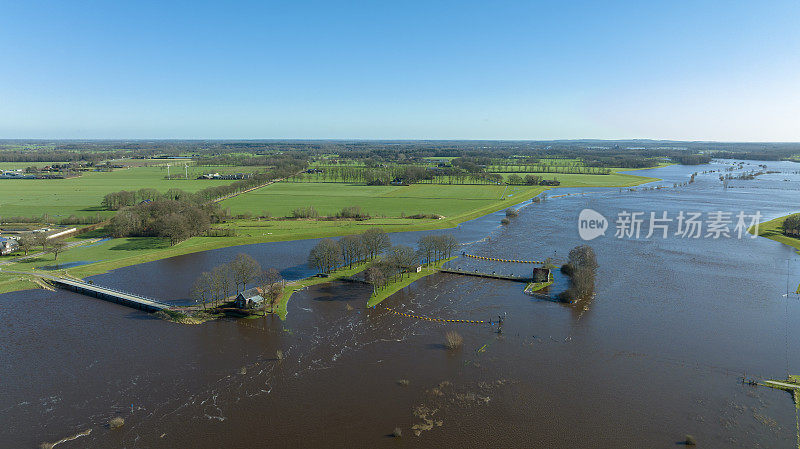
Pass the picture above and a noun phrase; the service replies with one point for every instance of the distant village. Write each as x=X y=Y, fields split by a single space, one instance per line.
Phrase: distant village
x=56 y=171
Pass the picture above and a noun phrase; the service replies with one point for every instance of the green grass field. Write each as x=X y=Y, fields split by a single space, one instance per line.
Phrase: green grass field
x=379 y=201
x=772 y=229
x=82 y=196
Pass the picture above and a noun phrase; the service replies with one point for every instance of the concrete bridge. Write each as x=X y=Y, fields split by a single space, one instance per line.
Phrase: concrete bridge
x=100 y=292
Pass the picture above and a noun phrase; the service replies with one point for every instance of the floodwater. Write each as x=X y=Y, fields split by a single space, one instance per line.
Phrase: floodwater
x=658 y=353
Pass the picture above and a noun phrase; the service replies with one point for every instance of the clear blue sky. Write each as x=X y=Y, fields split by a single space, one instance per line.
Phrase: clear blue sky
x=697 y=70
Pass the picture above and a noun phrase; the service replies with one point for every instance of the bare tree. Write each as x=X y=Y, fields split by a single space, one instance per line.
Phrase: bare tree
x=26 y=242
x=450 y=244
x=271 y=285
x=427 y=248
x=41 y=240
x=221 y=280
x=375 y=276
x=55 y=247
x=352 y=249
x=375 y=241
x=325 y=256
x=403 y=257
x=202 y=288
x=244 y=270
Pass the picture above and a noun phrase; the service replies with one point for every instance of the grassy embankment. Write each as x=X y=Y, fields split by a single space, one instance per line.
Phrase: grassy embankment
x=773 y=230
x=458 y=203
x=404 y=281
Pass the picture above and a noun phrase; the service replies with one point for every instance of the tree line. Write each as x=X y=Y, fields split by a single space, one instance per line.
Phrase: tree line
x=329 y=254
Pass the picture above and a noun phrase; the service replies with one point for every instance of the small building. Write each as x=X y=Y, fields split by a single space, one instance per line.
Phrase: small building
x=8 y=245
x=252 y=298
x=541 y=274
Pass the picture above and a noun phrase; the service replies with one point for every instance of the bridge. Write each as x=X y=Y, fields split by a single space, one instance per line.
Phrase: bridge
x=104 y=293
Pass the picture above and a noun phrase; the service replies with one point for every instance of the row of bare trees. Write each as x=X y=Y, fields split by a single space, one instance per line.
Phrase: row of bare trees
x=27 y=242
x=215 y=286
x=328 y=254
x=436 y=247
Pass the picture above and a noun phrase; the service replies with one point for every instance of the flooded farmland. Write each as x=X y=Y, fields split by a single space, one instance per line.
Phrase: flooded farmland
x=658 y=353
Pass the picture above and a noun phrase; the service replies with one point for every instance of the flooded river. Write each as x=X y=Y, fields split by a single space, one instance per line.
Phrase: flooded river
x=658 y=353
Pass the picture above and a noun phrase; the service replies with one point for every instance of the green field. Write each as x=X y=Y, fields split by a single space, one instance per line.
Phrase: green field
x=570 y=180
x=379 y=201
x=82 y=196
x=772 y=229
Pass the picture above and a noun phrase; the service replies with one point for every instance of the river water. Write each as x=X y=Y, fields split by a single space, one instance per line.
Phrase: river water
x=658 y=353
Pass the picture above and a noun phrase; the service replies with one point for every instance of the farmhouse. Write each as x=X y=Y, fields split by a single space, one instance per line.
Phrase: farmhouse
x=249 y=299
x=8 y=245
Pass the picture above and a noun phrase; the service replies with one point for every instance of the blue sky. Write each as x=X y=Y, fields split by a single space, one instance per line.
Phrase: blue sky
x=688 y=70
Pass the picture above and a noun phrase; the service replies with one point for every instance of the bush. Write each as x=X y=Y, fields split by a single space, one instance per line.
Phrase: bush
x=116 y=423
x=690 y=441
x=453 y=340
x=352 y=212
x=305 y=212
x=791 y=223
x=397 y=432
x=511 y=213
x=505 y=221
x=279 y=354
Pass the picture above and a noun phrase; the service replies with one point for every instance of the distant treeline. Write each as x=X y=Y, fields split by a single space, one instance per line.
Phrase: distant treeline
x=692 y=159
x=595 y=153
x=57 y=155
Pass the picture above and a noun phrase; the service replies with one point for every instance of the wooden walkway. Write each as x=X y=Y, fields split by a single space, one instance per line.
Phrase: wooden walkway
x=487 y=275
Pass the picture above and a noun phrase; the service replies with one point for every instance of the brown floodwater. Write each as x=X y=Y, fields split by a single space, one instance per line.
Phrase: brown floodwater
x=658 y=353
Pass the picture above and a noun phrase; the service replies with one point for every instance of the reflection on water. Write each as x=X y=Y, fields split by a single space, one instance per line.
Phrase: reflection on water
x=656 y=354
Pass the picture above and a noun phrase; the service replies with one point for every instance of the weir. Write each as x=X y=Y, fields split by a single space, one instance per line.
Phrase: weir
x=488 y=275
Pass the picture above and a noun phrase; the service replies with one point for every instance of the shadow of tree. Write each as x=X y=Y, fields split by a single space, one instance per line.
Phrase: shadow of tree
x=141 y=243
